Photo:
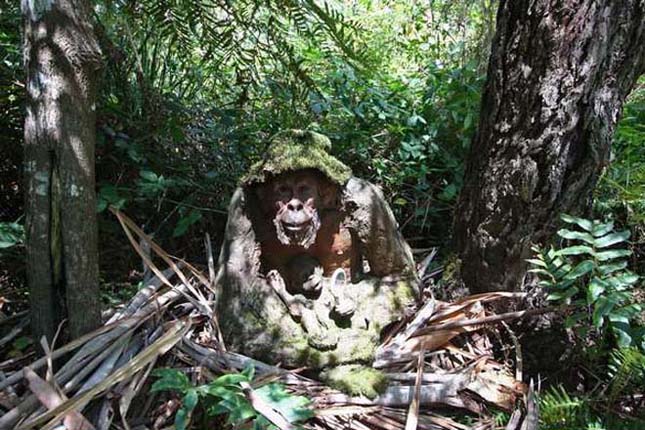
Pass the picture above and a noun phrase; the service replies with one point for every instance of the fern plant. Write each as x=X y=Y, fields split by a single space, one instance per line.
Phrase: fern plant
x=591 y=273
x=626 y=370
x=559 y=409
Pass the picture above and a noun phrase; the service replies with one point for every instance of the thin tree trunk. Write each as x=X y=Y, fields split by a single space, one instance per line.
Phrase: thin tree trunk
x=558 y=75
x=62 y=61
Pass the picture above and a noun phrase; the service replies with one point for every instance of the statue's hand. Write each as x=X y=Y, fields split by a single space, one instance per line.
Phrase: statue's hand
x=344 y=304
x=295 y=304
x=314 y=282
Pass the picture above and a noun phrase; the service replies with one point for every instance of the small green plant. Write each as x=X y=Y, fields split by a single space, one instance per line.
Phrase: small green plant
x=11 y=234
x=626 y=372
x=560 y=410
x=591 y=275
x=225 y=395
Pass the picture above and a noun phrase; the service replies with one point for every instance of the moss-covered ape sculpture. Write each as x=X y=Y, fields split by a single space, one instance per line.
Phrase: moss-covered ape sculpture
x=313 y=266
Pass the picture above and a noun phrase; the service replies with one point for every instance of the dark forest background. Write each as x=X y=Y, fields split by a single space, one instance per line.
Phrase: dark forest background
x=190 y=91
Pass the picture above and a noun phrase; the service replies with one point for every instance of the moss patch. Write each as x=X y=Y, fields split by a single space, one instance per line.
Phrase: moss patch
x=401 y=295
x=356 y=380
x=363 y=349
x=292 y=150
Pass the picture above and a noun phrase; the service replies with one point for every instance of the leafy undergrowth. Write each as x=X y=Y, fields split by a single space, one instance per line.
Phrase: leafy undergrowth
x=588 y=275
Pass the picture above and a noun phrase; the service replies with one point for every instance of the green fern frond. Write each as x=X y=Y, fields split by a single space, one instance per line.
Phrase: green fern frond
x=626 y=368
x=593 y=263
x=558 y=409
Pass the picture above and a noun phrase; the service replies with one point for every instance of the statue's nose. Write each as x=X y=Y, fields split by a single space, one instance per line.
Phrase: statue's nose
x=295 y=205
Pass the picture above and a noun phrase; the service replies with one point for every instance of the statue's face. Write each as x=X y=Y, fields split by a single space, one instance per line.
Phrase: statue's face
x=297 y=198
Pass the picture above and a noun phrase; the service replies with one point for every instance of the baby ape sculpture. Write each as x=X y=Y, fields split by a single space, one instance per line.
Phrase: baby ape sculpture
x=313 y=266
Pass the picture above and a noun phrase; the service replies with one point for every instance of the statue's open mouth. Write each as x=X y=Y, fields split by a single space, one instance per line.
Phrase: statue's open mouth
x=296 y=227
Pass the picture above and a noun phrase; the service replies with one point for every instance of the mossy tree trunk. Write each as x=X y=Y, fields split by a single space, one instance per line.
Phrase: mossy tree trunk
x=62 y=61
x=558 y=75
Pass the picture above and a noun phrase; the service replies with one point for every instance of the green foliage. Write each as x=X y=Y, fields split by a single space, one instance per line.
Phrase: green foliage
x=191 y=99
x=560 y=410
x=11 y=234
x=592 y=273
x=225 y=395
x=622 y=186
x=626 y=372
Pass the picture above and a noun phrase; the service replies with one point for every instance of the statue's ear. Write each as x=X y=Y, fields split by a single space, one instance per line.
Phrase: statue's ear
x=263 y=196
x=329 y=194
x=261 y=192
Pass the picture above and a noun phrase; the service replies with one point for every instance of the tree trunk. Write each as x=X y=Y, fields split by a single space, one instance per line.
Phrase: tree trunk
x=62 y=61
x=558 y=75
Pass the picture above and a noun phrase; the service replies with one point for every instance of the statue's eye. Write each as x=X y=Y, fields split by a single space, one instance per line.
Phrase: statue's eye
x=304 y=189
x=283 y=190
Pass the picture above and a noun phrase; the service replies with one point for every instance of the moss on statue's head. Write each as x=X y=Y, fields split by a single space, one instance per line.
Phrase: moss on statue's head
x=292 y=150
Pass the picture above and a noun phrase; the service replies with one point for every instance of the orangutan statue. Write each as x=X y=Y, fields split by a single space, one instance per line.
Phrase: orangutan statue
x=312 y=267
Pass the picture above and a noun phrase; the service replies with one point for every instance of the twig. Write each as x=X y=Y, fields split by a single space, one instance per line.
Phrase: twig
x=413 y=413
x=485 y=320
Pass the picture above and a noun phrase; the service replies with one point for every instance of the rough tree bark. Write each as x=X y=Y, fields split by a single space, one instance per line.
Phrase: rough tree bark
x=62 y=60
x=558 y=75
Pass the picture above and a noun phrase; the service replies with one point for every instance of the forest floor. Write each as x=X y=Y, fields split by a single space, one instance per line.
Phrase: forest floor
x=450 y=365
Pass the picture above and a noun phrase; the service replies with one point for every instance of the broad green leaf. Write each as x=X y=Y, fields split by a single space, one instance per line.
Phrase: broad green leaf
x=293 y=408
x=190 y=400
x=565 y=283
x=618 y=297
x=217 y=409
x=552 y=253
x=632 y=309
x=601 y=309
x=230 y=379
x=622 y=280
x=600 y=229
x=149 y=176
x=576 y=235
x=606 y=269
x=170 y=379
x=583 y=223
x=612 y=239
x=562 y=295
x=616 y=317
x=181 y=419
x=540 y=272
x=224 y=393
x=11 y=233
x=614 y=253
x=561 y=272
x=576 y=250
x=581 y=269
x=241 y=411
x=537 y=262
x=596 y=288
x=622 y=331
